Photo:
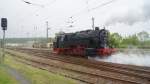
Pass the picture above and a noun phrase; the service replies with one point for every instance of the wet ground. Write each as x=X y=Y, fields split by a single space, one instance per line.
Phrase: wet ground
x=131 y=57
x=17 y=75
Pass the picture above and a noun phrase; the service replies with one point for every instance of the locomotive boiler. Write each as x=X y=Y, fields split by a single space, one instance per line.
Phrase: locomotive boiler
x=84 y=43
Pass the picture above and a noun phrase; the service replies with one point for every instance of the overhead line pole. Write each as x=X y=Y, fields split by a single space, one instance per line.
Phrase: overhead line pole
x=47 y=28
x=93 y=23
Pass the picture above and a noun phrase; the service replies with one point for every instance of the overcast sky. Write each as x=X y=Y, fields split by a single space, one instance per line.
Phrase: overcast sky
x=29 y=20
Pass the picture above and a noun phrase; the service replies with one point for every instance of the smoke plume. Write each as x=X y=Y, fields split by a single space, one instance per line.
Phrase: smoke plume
x=132 y=16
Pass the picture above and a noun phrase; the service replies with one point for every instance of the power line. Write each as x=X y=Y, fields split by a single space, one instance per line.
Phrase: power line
x=94 y=8
x=101 y=5
x=40 y=5
x=48 y=4
x=89 y=10
x=87 y=4
x=30 y=3
x=77 y=14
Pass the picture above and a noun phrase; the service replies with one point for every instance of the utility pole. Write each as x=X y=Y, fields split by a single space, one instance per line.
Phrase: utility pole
x=93 y=21
x=47 y=28
x=35 y=37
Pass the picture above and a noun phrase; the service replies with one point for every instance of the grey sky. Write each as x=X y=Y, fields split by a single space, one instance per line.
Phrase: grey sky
x=122 y=16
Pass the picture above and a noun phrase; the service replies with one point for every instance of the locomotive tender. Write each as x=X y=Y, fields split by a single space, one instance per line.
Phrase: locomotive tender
x=84 y=43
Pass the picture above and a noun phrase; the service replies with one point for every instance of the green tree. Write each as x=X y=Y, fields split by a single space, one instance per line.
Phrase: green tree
x=131 y=40
x=115 y=40
x=143 y=36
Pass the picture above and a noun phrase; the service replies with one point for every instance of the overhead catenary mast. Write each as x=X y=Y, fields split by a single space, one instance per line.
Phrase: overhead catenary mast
x=93 y=23
x=47 y=28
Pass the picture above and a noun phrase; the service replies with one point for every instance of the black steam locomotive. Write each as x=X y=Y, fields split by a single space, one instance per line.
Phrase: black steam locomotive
x=84 y=43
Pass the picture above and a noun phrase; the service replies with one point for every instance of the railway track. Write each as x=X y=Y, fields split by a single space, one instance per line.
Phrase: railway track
x=85 y=62
x=47 y=53
x=117 y=72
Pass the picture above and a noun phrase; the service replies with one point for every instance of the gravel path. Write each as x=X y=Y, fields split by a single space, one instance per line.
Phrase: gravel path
x=19 y=77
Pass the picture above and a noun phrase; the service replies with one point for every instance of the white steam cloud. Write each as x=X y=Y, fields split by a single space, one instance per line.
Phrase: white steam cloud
x=130 y=58
x=141 y=13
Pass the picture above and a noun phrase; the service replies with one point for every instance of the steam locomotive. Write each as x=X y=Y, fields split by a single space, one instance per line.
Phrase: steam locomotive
x=84 y=43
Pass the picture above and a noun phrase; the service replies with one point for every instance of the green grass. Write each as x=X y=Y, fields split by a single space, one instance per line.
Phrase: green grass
x=5 y=78
x=37 y=76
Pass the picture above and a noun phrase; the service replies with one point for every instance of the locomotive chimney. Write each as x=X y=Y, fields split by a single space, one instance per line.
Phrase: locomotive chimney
x=96 y=28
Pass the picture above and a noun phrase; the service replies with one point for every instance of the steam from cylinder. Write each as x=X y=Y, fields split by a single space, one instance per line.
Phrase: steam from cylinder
x=131 y=58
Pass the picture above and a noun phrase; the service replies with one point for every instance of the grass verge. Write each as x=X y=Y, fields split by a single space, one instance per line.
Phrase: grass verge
x=5 y=78
x=37 y=76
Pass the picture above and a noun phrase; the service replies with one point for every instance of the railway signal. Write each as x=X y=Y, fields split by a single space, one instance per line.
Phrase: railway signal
x=4 y=28
x=4 y=23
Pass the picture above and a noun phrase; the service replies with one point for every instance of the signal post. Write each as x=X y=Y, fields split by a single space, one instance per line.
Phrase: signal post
x=4 y=28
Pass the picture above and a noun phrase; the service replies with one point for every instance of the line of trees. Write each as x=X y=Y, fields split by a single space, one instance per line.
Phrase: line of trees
x=139 y=40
